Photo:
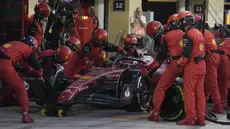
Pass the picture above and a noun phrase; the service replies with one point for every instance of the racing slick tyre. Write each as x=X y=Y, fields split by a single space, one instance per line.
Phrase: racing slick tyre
x=44 y=112
x=51 y=111
x=172 y=108
x=141 y=100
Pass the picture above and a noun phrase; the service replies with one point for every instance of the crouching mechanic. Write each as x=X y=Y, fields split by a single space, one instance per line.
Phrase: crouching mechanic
x=172 y=46
x=50 y=57
x=12 y=53
x=212 y=60
x=89 y=52
x=192 y=61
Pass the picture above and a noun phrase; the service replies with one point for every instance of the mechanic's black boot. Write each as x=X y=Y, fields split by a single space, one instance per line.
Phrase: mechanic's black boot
x=227 y=107
x=26 y=118
x=228 y=115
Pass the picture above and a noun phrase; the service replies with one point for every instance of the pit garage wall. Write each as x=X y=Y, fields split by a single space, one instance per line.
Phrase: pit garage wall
x=214 y=10
x=13 y=19
x=119 y=20
x=32 y=3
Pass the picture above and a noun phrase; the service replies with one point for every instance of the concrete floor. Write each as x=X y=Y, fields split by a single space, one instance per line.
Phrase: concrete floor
x=85 y=117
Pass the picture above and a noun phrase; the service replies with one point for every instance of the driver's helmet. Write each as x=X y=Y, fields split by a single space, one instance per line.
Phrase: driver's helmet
x=100 y=36
x=63 y=53
x=73 y=43
x=31 y=42
x=42 y=10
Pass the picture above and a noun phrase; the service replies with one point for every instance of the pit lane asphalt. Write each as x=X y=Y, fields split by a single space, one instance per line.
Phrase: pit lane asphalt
x=86 y=117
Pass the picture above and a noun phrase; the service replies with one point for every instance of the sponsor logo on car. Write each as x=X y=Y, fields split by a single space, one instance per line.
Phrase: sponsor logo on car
x=85 y=77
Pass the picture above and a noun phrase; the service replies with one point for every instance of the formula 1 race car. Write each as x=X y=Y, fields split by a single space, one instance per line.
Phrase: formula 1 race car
x=120 y=86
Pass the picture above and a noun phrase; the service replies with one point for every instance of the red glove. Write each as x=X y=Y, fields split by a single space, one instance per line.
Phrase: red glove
x=154 y=65
x=38 y=73
x=90 y=63
x=121 y=51
x=144 y=71
x=86 y=60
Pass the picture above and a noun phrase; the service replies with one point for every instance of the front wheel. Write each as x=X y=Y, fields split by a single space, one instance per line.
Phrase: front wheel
x=142 y=98
x=172 y=108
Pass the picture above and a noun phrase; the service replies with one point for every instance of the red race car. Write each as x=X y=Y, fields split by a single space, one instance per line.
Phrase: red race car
x=119 y=86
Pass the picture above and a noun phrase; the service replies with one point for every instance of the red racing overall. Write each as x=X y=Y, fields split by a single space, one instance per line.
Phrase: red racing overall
x=74 y=65
x=37 y=27
x=174 y=46
x=193 y=77
x=212 y=60
x=223 y=71
x=13 y=53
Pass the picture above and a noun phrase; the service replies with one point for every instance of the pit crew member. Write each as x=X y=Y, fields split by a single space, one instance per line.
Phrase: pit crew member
x=15 y=52
x=42 y=11
x=212 y=60
x=50 y=57
x=192 y=61
x=172 y=44
x=89 y=52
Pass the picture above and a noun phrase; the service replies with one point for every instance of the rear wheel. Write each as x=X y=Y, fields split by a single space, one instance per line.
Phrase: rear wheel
x=172 y=108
